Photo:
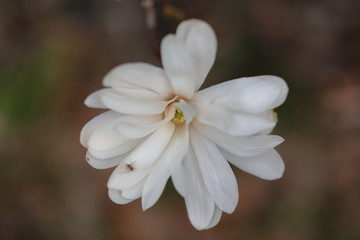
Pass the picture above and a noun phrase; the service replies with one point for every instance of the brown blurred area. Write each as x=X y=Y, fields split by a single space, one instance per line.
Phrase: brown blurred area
x=54 y=53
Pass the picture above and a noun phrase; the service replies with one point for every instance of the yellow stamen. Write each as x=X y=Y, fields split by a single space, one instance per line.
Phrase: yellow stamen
x=179 y=116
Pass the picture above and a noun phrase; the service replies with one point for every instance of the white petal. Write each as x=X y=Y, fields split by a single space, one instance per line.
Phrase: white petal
x=178 y=66
x=178 y=178
x=243 y=146
x=105 y=137
x=268 y=166
x=272 y=115
x=141 y=93
x=199 y=205
x=104 y=142
x=153 y=146
x=116 y=150
x=95 y=123
x=200 y=40
x=123 y=177
x=218 y=176
x=173 y=155
x=280 y=84
x=94 y=101
x=233 y=123
x=137 y=126
x=104 y=163
x=116 y=197
x=135 y=191
x=151 y=192
x=216 y=218
x=114 y=100
x=138 y=75
x=253 y=94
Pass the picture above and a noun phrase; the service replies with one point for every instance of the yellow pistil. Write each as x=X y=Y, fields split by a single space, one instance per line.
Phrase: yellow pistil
x=179 y=116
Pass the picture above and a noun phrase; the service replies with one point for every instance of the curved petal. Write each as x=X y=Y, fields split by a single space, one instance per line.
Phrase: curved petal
x=272 y=115
x=200 y=41
x=173 y=154
x=116 y=197
x=99 y=163
x=234 y=123
x=268 y=166
x=124 y=177
x=105 y=137
x=243 y=146
x=114 y=100
x=135 y=191
x=153 y=146
x=178 y=66
x=139 y=126
x=151 y=193
x=216 y=218
x=116 y=150
x=138 y=75
x=104 y=142
x=200 y=207
x=252 y=94
x=178 y=178
x=141 y=93
x=95 y=123
x=218 y=176
x=94 y=101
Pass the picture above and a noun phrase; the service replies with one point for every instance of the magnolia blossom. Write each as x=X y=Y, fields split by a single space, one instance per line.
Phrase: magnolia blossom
x=159 y=125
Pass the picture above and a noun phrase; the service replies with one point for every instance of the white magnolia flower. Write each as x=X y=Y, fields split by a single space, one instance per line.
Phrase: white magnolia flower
x=160 y=126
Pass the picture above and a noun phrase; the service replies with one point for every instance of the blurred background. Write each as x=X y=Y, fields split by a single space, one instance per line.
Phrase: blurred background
x=54 y=53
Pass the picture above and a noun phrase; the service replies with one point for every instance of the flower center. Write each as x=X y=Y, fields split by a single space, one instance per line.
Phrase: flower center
x=179 y=116
x=179 y=111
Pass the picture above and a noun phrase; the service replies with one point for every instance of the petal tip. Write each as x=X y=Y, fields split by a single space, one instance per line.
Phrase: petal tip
x=278 y=173
x=145 y=204
x=278 y=140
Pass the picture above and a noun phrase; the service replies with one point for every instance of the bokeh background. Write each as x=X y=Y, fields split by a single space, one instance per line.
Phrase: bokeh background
x=54 y=53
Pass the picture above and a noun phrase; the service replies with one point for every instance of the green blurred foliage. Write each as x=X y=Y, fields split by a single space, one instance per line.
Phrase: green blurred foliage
x=28 y=85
